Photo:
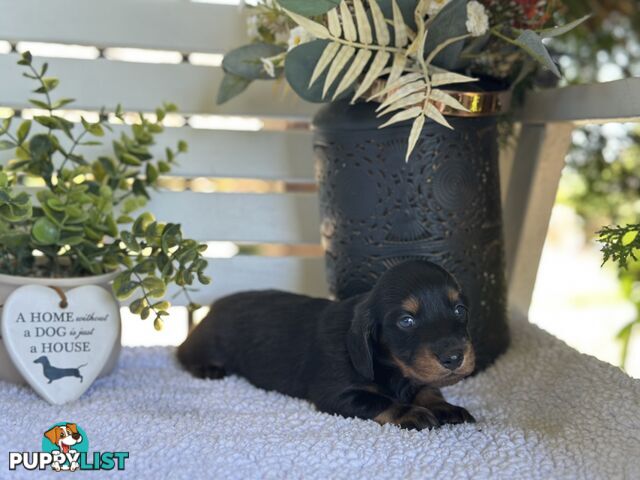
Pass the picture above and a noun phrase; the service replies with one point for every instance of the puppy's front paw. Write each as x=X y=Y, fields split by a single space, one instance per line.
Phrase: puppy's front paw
x=452 y=414
x=419 y=418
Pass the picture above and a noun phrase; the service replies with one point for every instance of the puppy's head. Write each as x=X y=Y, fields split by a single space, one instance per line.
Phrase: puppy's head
x=415 y=318
x=64 y=436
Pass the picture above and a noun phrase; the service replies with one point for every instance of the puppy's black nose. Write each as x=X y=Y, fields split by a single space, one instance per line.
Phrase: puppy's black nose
x=75 y=436
x=451 y=360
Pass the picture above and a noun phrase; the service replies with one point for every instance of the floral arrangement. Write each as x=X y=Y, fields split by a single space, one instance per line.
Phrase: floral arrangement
x=407 y=55
x=71 y=222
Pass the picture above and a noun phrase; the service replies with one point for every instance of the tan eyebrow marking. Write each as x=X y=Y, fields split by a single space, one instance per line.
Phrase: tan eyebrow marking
x=454 y=295
x=411 y=304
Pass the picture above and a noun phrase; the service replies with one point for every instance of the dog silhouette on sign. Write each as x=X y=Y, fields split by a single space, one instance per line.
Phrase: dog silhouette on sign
x=54 y=373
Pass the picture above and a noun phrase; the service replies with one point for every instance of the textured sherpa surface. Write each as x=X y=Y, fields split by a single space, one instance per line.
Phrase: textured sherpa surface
x=544 y=411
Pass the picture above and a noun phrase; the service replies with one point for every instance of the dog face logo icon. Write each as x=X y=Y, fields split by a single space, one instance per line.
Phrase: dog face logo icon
x=54 y=373
x=67 y=439
x=65 y=448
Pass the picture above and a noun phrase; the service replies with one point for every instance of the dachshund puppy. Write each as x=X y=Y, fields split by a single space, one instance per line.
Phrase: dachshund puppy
x=381 y=355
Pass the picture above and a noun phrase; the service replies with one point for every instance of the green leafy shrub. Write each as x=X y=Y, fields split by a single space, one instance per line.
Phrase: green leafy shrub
x=82 y=218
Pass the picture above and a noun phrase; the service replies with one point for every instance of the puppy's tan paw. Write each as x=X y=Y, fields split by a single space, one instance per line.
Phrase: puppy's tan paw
x=409 y=416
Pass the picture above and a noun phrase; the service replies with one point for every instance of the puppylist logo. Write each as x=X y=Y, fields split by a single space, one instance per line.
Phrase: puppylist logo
x=65 y=447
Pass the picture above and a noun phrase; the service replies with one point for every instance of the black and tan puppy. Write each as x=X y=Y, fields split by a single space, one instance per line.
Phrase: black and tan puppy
x=381 y=355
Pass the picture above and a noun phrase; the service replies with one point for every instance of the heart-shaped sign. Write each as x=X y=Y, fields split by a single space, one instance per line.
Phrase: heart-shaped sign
x=60 y=342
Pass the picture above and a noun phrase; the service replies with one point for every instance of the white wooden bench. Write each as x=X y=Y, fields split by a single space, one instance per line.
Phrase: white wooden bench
x=537 y=417
x=281 y=149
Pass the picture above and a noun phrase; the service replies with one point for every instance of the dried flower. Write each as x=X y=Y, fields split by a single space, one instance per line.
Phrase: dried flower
x=298 y=36
x=435 y=6
x=269 y=67
x=477 y=19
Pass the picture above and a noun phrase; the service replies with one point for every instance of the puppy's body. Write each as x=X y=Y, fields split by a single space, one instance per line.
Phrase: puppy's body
x=347 y=357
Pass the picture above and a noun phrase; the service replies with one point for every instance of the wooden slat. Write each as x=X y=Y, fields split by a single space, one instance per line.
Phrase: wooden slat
x=259 y=218
x=300 y=275
x=268 y=155
x=142 y=87
x=617 y=101
x=177 y=25
x=261 y=155
x=531 y=193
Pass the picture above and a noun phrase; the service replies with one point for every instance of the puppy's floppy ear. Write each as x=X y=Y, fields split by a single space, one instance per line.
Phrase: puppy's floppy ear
x=359 y=339
x=73 y=427
x=53 y=435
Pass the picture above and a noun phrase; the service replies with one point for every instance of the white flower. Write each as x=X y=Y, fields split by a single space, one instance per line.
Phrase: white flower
x=252 y=27
x=435 y=6
x=298 y=36
x=477 y=19
x=268 y=66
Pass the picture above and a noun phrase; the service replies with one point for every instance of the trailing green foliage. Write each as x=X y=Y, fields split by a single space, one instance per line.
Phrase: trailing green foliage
x=80 y=217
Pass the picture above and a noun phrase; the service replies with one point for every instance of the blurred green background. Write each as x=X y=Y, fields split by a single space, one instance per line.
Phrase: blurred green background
x=601 y=181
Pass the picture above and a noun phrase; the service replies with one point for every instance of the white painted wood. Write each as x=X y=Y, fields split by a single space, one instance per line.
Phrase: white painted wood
x=259 y=218
x=213 y=153
x=182 y=26
x=530 y=195
x=617 y=101
x=300 y=275
x=143 y=87
x=267 y=155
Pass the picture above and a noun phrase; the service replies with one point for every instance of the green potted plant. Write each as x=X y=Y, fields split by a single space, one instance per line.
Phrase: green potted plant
x=406 y=147
x=67 y=220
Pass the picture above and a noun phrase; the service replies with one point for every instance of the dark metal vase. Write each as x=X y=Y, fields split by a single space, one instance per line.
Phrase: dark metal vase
x=443 y=205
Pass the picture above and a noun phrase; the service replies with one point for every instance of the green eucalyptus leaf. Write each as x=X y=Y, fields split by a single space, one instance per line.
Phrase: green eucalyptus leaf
x=309 y=8
x=449 y=22
x=231 y=86
x=531 y=43
x=245 y=61
x=301 y=62
x=562 y=29
x=407 y=7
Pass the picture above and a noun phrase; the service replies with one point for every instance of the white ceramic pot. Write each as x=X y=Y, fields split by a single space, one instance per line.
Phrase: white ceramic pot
x=9 y=283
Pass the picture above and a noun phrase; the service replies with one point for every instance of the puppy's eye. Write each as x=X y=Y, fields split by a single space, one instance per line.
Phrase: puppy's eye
x=406 y=322
x=460 y=311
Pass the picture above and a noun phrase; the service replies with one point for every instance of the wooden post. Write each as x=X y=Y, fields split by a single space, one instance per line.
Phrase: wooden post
x=530 y=193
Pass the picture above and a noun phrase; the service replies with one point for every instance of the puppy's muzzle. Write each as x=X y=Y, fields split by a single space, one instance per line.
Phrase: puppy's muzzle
x=451 y=359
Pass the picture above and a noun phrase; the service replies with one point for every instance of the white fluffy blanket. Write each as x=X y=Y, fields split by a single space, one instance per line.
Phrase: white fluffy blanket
x=544 y=411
